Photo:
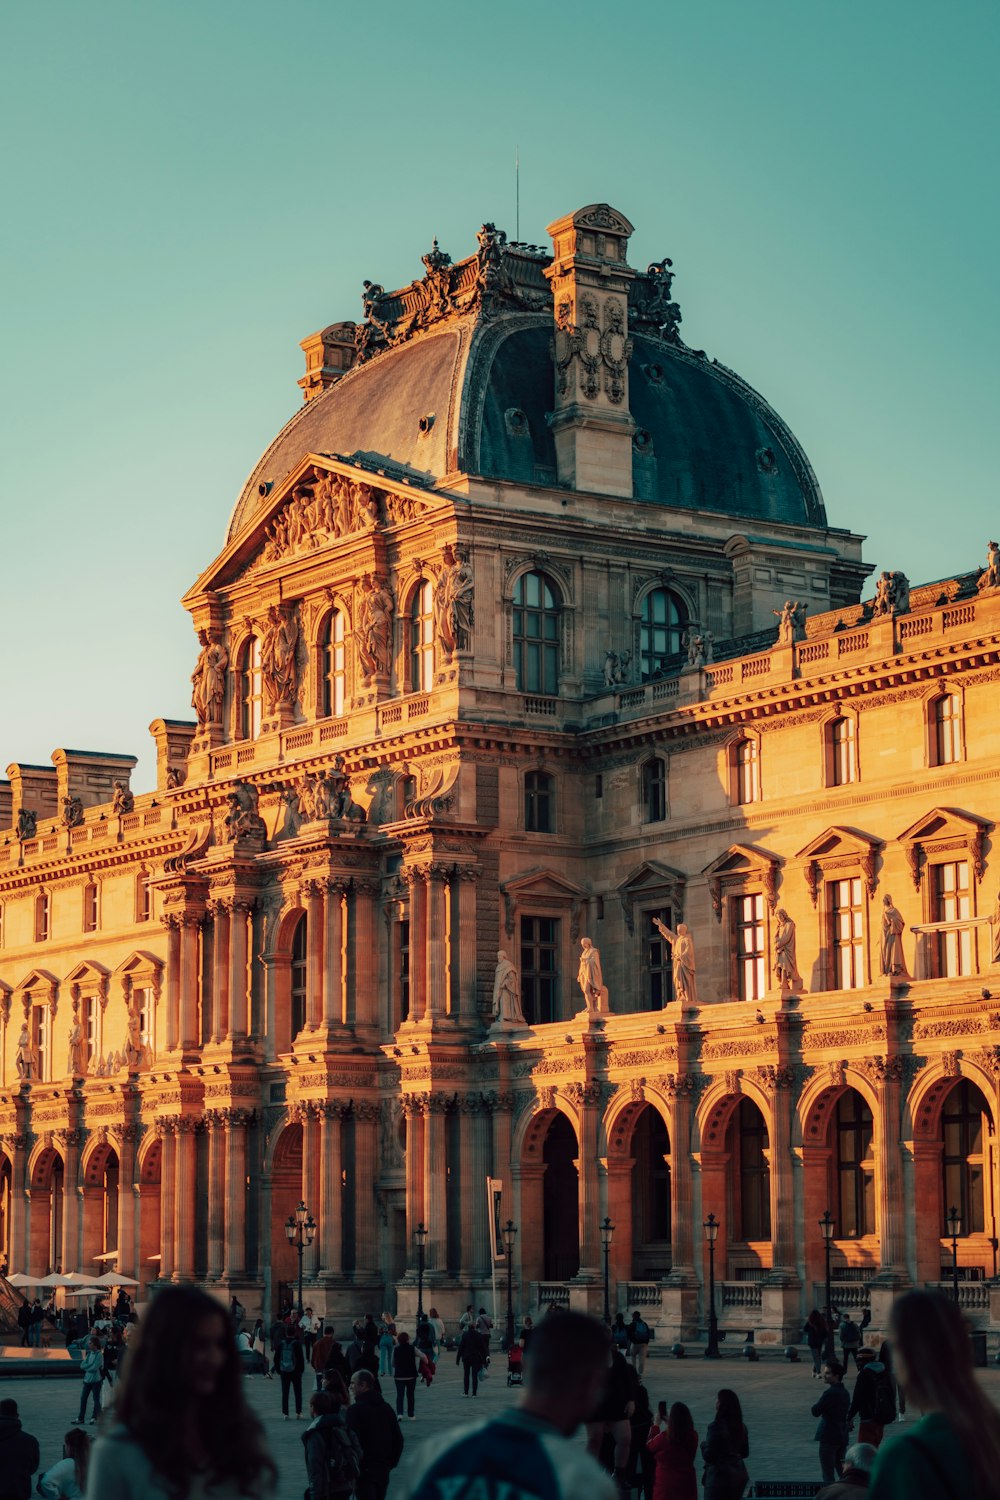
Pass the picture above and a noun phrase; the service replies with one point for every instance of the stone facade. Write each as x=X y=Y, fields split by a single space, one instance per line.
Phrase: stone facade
x=466 y=686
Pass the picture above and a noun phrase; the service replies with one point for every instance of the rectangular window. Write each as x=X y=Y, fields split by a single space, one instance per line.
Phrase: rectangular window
x=538 y=802
x=750 y=940
x=540 y=969
x=38 y=1039
x=89 y=1022
x=747 y=772
x=90 y=908
x=404 y=971
x=842 y=747
x=946 y=728
x=659 y=968
x=142 y=899
x=654 y=790
x=142 y=1003
x=951 y=903
x=43 y=916
x=847 y=922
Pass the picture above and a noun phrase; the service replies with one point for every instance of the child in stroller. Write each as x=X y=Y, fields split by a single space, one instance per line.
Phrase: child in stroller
x=515 y=1365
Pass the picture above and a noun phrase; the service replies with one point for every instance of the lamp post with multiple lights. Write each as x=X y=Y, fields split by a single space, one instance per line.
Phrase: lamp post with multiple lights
x=300 y=1231
x=711 y=1227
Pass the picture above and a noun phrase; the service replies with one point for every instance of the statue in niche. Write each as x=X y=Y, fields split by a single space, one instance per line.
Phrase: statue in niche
x=784 y=954
x=278 y=655
x=616 y=667
x=27 y=823
x=26 y=1058
x=506 y=994
x=591 y=980
x=791 y=622
x=72 y=812
x=208 y=680
x=453 y=599
x=682 y=960
x=78 y=1049
x=123 y=801
x=892 y=961
x=375 y=626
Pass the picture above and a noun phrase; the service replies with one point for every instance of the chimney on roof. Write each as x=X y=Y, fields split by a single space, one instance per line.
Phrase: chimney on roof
x=329 y=355
x=591 y=422
x=90 y=775
x=34 y=789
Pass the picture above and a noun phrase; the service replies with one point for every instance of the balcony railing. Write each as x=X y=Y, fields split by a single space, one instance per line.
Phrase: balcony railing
x=548 y=1293
x=741 y=1295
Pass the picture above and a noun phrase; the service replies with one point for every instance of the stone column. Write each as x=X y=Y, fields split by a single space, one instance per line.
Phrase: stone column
x=681 y=1186
x=463 y=937
x=239 y=979
x=216 y=1200
x=435 y=1183
x=782 y=1178
x=168 y=1195
x=19 y=1202
x=417 y=880
x=589 y=1186
x=185 y=1188
x=221 y=923
x=127 y=1257
x=311 y=1182
x=437 y=942
x=366 y=1229
x=71 y=1141
x=619 y=1210
x=236 y=1122
x=364 y=1006
x=190 y=984
x=331 y=1196
x=172 y=922
x=333 y=956
x=889 y=1181
x=314 y=954
x=413 y=1110
x=469 y=1108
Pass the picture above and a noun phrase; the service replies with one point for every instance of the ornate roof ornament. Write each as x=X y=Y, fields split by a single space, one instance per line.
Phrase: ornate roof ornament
x=650 y=308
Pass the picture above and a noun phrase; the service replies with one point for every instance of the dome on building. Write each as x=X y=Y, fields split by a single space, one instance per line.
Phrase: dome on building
x=455 y=374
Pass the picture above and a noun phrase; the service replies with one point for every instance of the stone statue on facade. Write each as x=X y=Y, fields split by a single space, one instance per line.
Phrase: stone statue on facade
x=375 y=626
x=454 y=587
x=506 y=994
x=72 y=812
x=699 y=645
x=175 y=778
x=892 y=961
x=616 y=666
x=591 y=980
x=989 y=578
x=123 y=800
x=241 y=817
x=785 y=965
x=27 y=823
x=135 y=1052
x=892 y=595
x=683 y=963
x=996 y=930
x=208 y=680
x=78 y=1049
x=26 y=1057
x=791 y=622
x=279 y=655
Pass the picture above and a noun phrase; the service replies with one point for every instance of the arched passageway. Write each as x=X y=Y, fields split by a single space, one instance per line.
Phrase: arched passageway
x=650 y=1197
x=286 y=1190
x=955 y=1167
x=560 y=1202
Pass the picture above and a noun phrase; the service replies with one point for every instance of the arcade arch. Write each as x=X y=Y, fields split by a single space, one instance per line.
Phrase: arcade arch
x=955 y=1165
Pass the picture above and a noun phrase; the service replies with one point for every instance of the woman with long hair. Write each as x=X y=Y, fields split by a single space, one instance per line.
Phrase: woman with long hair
x=67 y=1479
x=673 y=1443
x=184 y=1430
x=954 y=1450
x=725 y=1449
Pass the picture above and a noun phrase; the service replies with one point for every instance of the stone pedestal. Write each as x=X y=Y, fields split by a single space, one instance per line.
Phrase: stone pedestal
x=679 y=1307
x=780 y=1309
x=586 y=1292
x=883 y=1292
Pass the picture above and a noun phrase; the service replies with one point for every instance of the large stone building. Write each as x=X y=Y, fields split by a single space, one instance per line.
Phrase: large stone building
x=495 y=658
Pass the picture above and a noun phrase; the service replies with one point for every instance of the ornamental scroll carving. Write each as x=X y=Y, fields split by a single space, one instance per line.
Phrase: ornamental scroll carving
x=598 y=346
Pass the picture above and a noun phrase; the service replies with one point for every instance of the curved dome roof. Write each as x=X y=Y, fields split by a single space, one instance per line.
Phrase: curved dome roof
x=471 y=394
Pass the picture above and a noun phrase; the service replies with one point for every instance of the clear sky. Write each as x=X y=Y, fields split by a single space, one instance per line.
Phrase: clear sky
x=190 y=188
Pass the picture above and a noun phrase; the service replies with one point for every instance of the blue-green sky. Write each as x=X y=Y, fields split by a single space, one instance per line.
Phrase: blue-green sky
x=190 y=188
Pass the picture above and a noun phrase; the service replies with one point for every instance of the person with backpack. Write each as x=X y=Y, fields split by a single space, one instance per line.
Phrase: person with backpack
x=638 y=1343
x=850 y=1341
x=332 y=1449
x=725 y=1450
x=19 y=1454
x=470 y=1356
x=831 y=1434
x=289 y=1363
x=381 y=1437
x=874 y=1399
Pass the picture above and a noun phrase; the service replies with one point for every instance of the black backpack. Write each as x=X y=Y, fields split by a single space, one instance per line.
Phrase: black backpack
x=343 y=1454
x=885 y=1400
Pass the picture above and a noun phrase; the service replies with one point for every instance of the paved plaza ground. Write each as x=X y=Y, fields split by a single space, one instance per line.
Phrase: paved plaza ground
x=776 y=1399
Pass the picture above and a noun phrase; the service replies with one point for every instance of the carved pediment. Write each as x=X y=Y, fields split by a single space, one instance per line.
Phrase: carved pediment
x=88 y=978
x=840 y=848
x=942 y=829
x=650 y=881
x=742 y=862
x=539 y=890
x=38 y=987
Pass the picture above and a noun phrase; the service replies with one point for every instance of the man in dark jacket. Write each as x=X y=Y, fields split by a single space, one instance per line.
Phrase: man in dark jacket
x=873 y=1402
x=831 y=1434
x=289 y=1363
x=378 y=1429
x=24 y=1322
x=18 y=1454
x=470 y=1357
x=613 y=1418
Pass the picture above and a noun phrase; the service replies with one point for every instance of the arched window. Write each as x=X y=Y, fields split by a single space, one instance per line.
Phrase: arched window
x=754 y=1218
x=536 y=635
x=660 y=631
x=654 y=790
x=539 y=798
x=251 y=685
x=855 y=1168
x=745 y=771
x=332 y=646
x=963 y=1159
x=843 y=760
x=422 y=638
x=945 y=730
x=297 y=986
x=90 y=912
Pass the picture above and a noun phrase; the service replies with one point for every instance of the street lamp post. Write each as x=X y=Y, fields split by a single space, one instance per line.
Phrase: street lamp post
x=711 y=1227
x=509 y=1232
x=954 y=1222
x=300 y=1230
x=421 y=1237
x=827 y=1226
x=607 y=1235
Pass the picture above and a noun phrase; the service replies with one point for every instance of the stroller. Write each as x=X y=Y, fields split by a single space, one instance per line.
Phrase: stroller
x=515 y=1365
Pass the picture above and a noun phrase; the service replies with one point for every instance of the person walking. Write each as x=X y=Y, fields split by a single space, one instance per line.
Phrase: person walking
x=853 y=1482
x=35 y=1322
x=484 y=1327
x=638 y=1342
x=424 y=1338
x=673 y=1442
x=67 y=1478
x=815 y=1333
x=289 y=1363
x=954 y=1450
x=874 y=1400
x=524 y=1337
x=183 y=1423
x=437 y=1323
x=406 y=1362
x=381 y=1437
x=92 y=1372
x=850 y=1341
x=470 y=1356
x=468 y=1318
x=386 y=1344
x=332 y=1450
x=320 y=1353
x=565 y=1370
x=619 y=1333
x=19 y=1455
x=831 y=1434
x=725 y=1450
x=613 y=1417
x=24 y=1323
x=885 y=1355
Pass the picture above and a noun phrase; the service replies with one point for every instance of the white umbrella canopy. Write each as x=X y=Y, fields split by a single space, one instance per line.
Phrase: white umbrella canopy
x=115 y=1278
x=55 y=1279
x=77 y=1278
x=86 y=1291
x=19 y=1279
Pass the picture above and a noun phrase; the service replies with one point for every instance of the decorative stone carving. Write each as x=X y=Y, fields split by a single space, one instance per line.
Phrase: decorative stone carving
x=78 y=1050
x=374 y=633
x=791 y=622
x=123 y=801
x=892 y=595
x=26 y=1056
x=771 y=1078
x=616 y=666
x=602 y=352
x=322 y=508
x=591 y=980
x=682 y=960
x=837 y=1074
x=208 y=680
x=989 y=578
x=136 y=1053
x=733 y=1081
x=891 y=960
x=279 y=656
x=785 y=966
x=507 y=1010
x=72 y=812
x=27 y=823
x=454 y=587
x=699 y=645
x=241 y=818
x=650 y=308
